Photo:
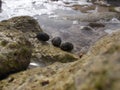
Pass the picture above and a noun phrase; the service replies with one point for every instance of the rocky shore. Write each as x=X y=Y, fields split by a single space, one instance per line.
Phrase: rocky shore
x=19 y=46
x=97 y=70
x=87 y=59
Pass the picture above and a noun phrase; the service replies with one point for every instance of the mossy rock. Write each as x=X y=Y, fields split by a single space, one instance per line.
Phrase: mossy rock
x=15 y=52
x=29 y=26
x=106 y=43
x=22 y=23
x=49 y=53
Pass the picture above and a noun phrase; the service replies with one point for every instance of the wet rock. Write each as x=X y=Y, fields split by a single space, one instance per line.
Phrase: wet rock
x=106 y=2
x=43 y=53
x=97 y=70
x=100 y=2
x=47 y=54
x=67 y=46
x=16 y=48
x=84 y=8
x=42 y=36
x=23 y=23
x=15 y=51
x=113 y=2
x=56 y=41
x=86 y=28
x=95 y=16
x=98 y=25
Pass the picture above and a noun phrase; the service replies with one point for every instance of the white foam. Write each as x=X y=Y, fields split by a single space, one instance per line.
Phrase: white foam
x=114 y=20
x=13 y=8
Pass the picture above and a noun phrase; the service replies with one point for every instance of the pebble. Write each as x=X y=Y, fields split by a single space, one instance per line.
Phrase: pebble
x=67 y=46
x=56 y=41
x=43 y=36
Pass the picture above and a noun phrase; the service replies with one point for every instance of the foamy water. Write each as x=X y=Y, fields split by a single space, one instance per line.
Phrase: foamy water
x=11 y=8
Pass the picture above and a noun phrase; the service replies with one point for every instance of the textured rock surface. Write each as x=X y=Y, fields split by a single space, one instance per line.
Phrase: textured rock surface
x=23 y=23
x=15 y=51
x=49 y=54
x=43 y=52
x=97 y=70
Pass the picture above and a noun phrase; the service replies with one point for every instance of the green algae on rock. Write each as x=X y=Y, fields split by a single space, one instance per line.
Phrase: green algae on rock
x=49 y=53
x=15 y=52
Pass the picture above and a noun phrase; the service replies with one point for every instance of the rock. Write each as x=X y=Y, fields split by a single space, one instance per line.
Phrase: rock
x=16 y=47
x=113 y=2
x=83 y=8
x=43 y=53
x=56 y=41
x=98 y=25
x=15 y=52
x=95 y=16
x=117 y=9
x=97 y=70
x=106 y=2
x=42 y=36
x=88 y=28
x=88 y=32
x=23 y=23
x=67 y=46
x=48 y=54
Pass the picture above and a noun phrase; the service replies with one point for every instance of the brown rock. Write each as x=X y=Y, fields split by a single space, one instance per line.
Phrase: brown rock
x=23 y=23
x=97 y=70
x=15 y=52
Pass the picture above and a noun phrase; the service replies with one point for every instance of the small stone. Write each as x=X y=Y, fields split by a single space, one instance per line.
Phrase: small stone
x=98 y=25
x=56 y=41
x=67 y=46
x=45 y=83
x=42 y=36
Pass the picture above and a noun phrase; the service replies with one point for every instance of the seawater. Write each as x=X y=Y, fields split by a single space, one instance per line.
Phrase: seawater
x=12 y=8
